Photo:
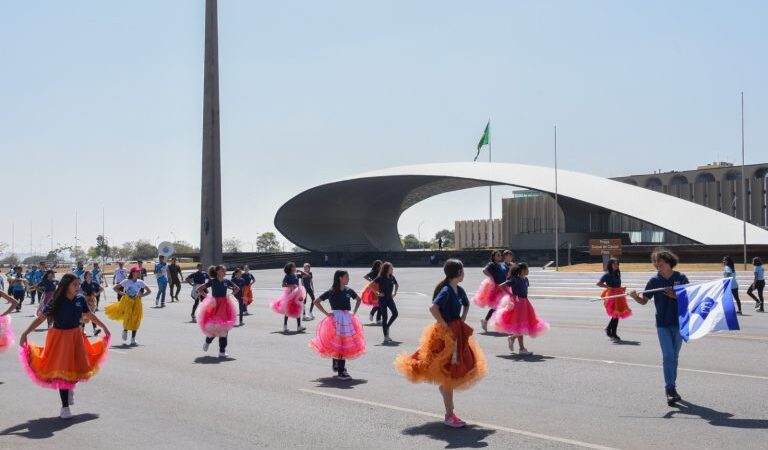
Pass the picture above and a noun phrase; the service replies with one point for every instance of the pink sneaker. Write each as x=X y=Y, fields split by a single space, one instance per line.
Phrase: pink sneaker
x=454 y=422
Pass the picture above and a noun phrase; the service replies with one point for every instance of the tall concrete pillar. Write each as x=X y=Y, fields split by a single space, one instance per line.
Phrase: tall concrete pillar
x=210 y=198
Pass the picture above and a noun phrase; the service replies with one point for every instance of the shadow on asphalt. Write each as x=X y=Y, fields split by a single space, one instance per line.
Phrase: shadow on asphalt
x=714 y=417
x=372 y=325
x=526 y=358
x=333 y=382
x=470 y=436
x=289 y=333
x=389 y=344
x=493 y=334
x=46 y=427
x=622 y=342
x=212 y=360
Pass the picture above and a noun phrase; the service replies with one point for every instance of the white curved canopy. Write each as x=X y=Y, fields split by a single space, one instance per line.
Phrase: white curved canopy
x=361 y=212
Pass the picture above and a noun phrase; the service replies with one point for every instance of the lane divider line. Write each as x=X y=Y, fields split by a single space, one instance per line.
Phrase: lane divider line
x=480 y=424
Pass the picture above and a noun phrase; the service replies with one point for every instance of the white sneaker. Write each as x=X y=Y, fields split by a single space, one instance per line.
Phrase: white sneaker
x=511 y=343
x=134 y=343
x=205 y=346
x=223 y=355
x=305 y=317
x=370 y=317
x=125 y=335
x=484 y=325
x=311 y=316
x=285 y=328
x=301 y=329
x=65 y=413
x=71 y=397
x=524 y=352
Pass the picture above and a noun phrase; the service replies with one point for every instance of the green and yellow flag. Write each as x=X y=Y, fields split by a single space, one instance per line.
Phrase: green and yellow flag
x=484 y=139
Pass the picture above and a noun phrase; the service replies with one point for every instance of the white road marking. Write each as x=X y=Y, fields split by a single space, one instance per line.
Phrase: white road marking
x=481 y=424
x=651 y=366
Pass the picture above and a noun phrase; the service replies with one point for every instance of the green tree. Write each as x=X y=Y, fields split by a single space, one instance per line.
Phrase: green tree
x=92 y=252
x=232 y=245
x=410 y=241
x=11 y=259
x=126 y=250
x=34 y=259
x=267 y=242
x=184 y=247
x=102 y=247
x=143 y=250
x=448 y=237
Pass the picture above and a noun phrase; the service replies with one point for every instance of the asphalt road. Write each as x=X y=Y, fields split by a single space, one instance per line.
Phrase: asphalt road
x=577 y=390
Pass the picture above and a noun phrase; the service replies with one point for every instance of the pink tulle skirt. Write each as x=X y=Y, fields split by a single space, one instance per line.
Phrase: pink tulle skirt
x=339 y=336
x=369 y=297
x=216 y=316
x=488 y=294
x=6 y=332
x=291 y=303
x=517 y=316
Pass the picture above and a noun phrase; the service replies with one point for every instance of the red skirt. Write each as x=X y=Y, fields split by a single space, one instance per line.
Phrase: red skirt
x=616 y=308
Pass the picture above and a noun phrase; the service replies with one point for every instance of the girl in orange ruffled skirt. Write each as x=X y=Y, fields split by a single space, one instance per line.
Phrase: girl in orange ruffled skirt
x=370 y=295
x=448 y=355
x=68 y=357
x=616 y=307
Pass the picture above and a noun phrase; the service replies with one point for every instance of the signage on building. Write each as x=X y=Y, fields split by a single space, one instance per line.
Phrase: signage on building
x=599 y=247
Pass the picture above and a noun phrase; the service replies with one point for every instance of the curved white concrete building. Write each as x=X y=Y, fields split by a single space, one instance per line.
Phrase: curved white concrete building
x=361 y=213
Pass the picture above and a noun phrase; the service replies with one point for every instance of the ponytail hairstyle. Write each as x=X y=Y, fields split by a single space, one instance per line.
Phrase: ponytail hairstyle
x=494 y=254
x=516 y=269
x=609 y=267
x=60 y=294
x=337 y=276
x=212 y=272
x=376 y=267
x=452 y=269
x=729 y=262
x=386 y=270
x=289 y=267
x=236 y=273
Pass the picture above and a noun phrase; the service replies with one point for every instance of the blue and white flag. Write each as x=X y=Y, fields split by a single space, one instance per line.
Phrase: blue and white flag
x=704 y=308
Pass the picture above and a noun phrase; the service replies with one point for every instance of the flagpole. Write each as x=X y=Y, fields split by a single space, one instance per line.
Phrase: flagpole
x=557 y=225
x=743 y=185
x=490 y=193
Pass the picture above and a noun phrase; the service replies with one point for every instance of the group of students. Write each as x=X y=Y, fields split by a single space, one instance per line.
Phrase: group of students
x=758 y=282
x=447 y=356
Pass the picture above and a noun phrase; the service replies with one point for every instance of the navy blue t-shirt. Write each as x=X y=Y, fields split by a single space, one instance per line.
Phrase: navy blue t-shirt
x=371 y=275
x=218 y=288
x=386 y=286
x=611 y=279
x=306 y=280
x=289 y=279
x=339 y=300
x=519 y=286
x=48 y=285
x=239 y=282
x=89 y=288
x=199 y=277
x=248 y=277
x=68 y=313
x=666 y=307
x=498 y=272
x=450 y=302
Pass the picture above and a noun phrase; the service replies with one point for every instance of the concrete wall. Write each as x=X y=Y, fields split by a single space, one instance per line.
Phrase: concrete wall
x=474 y=234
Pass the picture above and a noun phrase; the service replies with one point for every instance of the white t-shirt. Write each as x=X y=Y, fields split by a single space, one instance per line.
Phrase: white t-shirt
x=132 y=288
x=120 y=275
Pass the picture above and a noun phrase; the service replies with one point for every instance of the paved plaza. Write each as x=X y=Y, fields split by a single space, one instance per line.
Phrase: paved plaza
x=577 y=390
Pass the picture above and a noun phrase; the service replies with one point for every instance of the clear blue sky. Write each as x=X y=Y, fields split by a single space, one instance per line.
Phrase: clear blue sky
x=102 y=101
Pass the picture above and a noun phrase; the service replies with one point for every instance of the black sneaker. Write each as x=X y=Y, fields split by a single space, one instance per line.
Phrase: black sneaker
x=672 y=396
x=344 y=375
x=608 y=332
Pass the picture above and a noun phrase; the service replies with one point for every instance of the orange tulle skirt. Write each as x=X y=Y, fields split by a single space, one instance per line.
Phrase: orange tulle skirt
x=447 y=356
x=247 y=294
x=616 y=308
x=67 y=358
x=369 y=296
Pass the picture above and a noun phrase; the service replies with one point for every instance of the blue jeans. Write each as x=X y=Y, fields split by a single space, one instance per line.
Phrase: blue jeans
x=162 y=285
x=670 y=341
